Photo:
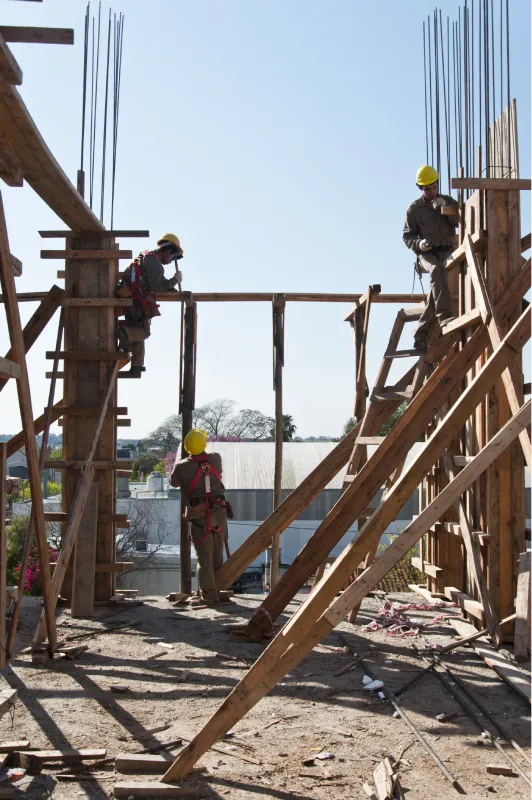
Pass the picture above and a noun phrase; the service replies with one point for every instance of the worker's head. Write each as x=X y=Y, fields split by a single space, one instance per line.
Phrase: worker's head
x=169 y=248
x=427 y=180
x=195 y=442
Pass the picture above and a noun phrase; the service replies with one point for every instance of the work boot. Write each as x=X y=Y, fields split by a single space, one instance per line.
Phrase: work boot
x=122 y=339
x=135 y=372
x=444 y=320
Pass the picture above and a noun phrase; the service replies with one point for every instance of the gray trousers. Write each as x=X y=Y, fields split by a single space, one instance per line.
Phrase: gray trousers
x=439 y=299
x=137 y=335
x=210 y=551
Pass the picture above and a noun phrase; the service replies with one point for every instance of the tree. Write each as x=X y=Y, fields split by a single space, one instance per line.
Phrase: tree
x=144 y=464
x=166 y=436
x=289 y=428
x=252 y=426
x=149 y=528
x=57 y=453
x=386 y=427
x=348 y=427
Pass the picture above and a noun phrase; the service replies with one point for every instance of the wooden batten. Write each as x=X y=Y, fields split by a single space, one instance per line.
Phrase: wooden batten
x=29 y=35
x=96 y=255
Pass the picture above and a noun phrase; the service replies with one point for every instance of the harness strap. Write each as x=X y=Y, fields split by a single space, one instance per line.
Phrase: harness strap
x=204 y=470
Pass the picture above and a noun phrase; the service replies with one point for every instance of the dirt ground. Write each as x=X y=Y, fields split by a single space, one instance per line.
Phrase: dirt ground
x=69 y=704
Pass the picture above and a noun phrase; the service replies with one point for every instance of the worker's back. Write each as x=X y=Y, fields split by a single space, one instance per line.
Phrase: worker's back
x=185 y=472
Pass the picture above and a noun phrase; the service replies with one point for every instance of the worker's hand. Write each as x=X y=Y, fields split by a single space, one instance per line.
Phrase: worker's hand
x=439 y=202
x=425 y=245
x=179 y=276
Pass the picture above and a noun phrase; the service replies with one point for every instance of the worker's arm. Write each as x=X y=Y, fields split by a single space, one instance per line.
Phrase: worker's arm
x=175 y=477
x=154 y=272
x=411 y=235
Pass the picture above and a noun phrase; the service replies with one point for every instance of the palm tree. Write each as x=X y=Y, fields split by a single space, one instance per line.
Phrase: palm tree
x=289 y=428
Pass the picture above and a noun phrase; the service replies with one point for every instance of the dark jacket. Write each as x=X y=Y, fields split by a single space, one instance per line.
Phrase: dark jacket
x=184 y=473
x=425 y=222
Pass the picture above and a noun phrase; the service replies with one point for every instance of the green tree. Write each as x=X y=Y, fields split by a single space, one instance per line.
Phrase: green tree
x=160 y=467
x=289 y=428
x=387 y=426
x=348 y=427
x=57 y=453
x=144 y=464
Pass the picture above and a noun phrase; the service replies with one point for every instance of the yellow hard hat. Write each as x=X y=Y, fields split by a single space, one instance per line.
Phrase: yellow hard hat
x=195 y=441
x=426 y=175
x=170 y=239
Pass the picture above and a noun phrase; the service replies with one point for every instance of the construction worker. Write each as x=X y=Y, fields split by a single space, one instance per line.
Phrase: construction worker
x=200 y=476
x=142 y=279
x=431 y=235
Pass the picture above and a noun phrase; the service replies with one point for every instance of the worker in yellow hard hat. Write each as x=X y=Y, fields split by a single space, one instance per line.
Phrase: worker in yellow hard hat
x=431 y=235
x=200 y=477
x=141 y=281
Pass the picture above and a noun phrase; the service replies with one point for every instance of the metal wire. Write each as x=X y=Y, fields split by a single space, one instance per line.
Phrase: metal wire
x=426 y=113
x=84 y=101
x=104 y=147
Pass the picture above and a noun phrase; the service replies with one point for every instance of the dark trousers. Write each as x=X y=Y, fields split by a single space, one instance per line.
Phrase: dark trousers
x=439 y=300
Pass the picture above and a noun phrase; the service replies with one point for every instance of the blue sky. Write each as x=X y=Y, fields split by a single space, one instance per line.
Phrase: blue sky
x=280 y=141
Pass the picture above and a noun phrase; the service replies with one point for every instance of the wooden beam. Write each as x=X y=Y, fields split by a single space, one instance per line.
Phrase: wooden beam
x=17 y=266
x=85 y=557
x=468 y=320
x=98 y=255
x=77 y=507
x=38 y=321
x=10 y=171
x=496 y=184
x=18 y=351
x=186 y=405
x=103 y=234
x=87 y=355
x=21 y=137
x=473 y=637
x=9 y=69
x=457 y=256
x=525 y=243
x=522 y=610
x=28 y=35
x=287 y=512
x=8 y=369
x=278 y=316
x=514 y=677
x=279 y=657
x=97 y=302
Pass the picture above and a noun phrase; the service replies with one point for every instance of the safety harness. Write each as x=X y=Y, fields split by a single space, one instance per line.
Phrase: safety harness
x=134 y=284
x=204 y=471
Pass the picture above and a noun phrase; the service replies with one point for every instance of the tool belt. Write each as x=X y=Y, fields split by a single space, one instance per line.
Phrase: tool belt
x=198 y=510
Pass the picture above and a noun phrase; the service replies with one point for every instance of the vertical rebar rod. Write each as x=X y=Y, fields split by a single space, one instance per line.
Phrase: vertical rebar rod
x=104 y=143
x=437 y=92
x=426 y=110
x=91 y=152
x=445 y=107
x=84 y=100
x=508 y=86
x=430 y=96
x=493 y=147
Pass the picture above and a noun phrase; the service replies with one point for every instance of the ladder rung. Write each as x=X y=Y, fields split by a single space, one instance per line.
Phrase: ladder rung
x=369 y=439
x=393 y=395
x=473 y=317
x=412 y=314
x=404 y=354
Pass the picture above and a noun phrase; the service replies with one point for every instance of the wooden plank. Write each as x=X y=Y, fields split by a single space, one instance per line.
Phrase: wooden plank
x=86 y=355
x=474 y=561
x=279 y=658
x=496 y=184
x=17 y=265
x=467 y=320
x=472 y=637
x=457 y=256
x=77 y=507
x=526 y=243
x=74 y=255
x=514 y=677
x=8 y=369
x=117 y=566
x=9 y=69
x=403 y=354
x=134 y=762
x=85 y=558
x=94 y=234
x=287 y=512
x=153 y=789
x=13 y=747
x=38 y=321
x=522 y=610
x=425 y=567
x=27 y=35
x=370 y=440
x=68 y=756
x=3 y=551
x=10 y=171
x=278 y=314
x=96 y=302
x=465 y=602
x=26 y=413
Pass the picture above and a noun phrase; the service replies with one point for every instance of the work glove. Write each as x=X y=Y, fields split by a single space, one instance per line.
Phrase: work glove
x=425 y=245
x=438 y=202
x=179 y=276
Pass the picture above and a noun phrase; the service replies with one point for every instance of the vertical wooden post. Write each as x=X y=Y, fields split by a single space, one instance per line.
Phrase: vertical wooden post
x=3 y=554
x=85 y=557
x=278 y=310
x=505 y=478
x=187 y=408
x=26 y=413
x=85 y=384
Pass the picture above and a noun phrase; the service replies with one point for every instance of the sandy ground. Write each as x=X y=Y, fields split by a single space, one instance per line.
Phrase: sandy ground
x=70 y=704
